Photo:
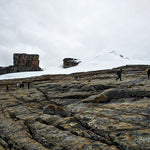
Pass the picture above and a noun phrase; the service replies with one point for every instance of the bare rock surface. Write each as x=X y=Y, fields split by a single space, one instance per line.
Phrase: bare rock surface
x=62 y=112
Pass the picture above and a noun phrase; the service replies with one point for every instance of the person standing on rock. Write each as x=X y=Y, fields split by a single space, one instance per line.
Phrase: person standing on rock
x=17 y=85
x=7 y=88
x=21 y=85
x=119 y=72
x=148 y=72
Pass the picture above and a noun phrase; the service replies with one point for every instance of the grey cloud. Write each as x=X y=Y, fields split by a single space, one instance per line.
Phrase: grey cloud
x=75 y=28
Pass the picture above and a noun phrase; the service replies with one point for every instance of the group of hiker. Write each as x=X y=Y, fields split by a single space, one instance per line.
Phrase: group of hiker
x=19 y=85
x=119 y=73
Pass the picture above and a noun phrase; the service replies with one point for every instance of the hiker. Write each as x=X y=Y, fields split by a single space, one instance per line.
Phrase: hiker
x=17 y=85
x=76 y=77
x=7 y=88
x=148 y=72
x=119 y=72
x=21 y=85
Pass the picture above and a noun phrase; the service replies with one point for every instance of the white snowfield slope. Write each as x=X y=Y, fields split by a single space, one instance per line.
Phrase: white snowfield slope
x=100 y=62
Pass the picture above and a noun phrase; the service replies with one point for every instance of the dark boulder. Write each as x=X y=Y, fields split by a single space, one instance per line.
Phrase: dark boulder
x=70 y=62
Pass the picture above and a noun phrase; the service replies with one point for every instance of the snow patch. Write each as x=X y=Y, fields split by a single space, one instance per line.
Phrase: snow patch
x=102 y=61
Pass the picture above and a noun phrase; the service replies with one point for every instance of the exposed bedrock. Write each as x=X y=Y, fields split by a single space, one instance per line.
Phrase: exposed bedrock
x=61 y=112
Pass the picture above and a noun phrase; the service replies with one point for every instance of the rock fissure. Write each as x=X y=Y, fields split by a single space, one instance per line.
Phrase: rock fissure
x=102 y=137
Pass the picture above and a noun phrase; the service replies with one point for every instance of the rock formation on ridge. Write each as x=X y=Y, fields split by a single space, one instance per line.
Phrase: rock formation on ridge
x=26 y=60
x=70 y=62
x=21 y=63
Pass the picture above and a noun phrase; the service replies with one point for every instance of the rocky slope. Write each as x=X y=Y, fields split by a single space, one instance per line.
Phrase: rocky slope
x=83 y=111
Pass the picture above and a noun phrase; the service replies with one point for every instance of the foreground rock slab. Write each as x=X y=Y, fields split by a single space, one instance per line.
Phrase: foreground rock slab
x=61 y=112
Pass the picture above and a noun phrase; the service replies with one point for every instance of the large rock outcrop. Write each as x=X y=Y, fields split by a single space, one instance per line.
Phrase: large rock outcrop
x=22 y=62
x=26 y=60
x=70 y=62
x=59 y=112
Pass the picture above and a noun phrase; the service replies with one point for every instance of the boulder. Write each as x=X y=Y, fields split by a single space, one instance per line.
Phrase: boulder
x=55 y=110
x=114 y=94
x=70 y=62
x=96 y=99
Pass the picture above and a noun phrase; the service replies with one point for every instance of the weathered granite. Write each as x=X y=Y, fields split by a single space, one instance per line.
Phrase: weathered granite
x=95 y=112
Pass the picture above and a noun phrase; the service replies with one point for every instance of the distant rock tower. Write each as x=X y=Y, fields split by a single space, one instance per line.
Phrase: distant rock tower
x=22 y=62
x=27 y=60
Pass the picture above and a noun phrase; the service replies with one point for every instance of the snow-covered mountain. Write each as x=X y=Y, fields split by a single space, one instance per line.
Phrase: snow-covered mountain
x=101 y=61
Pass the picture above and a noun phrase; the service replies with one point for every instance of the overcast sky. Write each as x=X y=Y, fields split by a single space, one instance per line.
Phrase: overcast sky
x=56 y=29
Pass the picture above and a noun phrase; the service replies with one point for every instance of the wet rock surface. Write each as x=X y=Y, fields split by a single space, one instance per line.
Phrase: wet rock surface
x=62 y=112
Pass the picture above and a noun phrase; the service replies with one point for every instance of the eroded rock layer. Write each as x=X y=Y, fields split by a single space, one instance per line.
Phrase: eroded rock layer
x=62 y=112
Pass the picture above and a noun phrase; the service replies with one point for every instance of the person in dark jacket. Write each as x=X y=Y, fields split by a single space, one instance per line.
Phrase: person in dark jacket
x=7 y=88
x=28 y=85
x=148 y=73
x=119 y=72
